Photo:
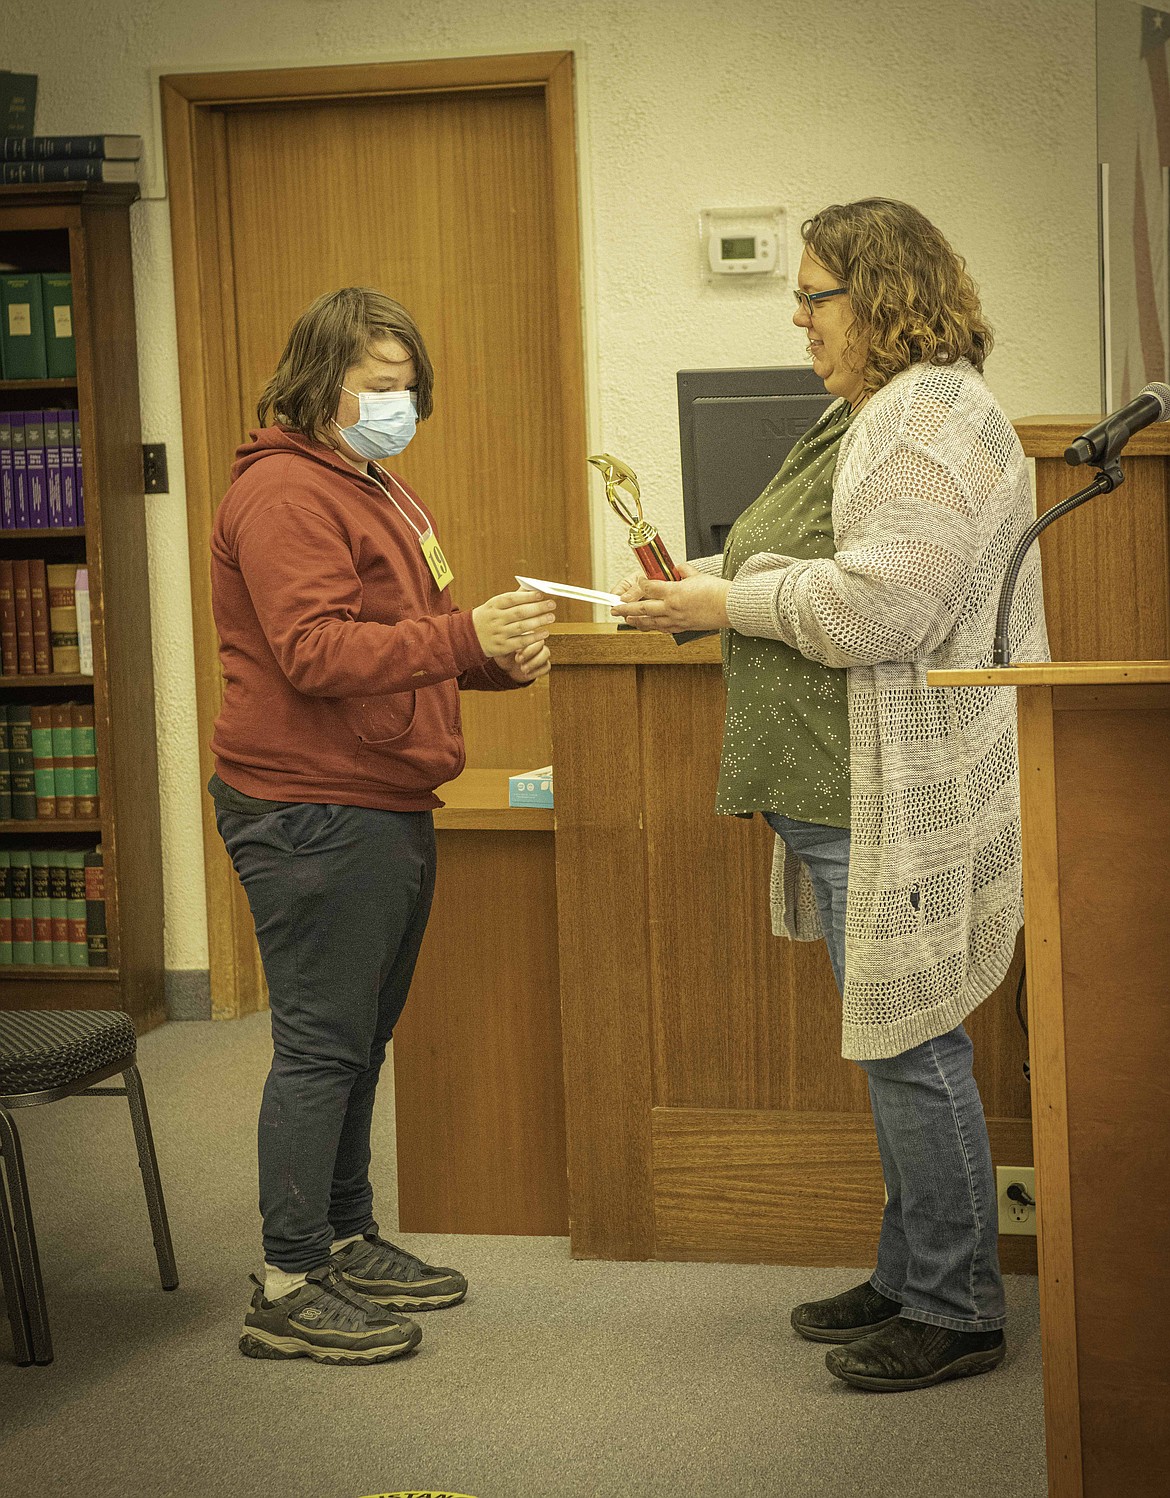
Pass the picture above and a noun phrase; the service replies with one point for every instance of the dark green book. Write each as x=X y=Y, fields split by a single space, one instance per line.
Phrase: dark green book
x=75 y=909
x=18 y=104
x=59 y=906
x=5 y=910
x=5 y=770
x=95 y=910
x=57 y=306
x=22 y=330
x=20 y=888
x=20 y=762
x=42 y=912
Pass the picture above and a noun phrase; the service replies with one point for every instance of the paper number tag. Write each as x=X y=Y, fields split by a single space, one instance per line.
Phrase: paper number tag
x=436 y=561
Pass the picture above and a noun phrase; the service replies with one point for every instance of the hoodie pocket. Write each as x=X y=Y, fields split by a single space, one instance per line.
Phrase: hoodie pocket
x=381 y=720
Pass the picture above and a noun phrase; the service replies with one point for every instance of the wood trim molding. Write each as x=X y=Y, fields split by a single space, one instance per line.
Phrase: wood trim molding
x=193 y=108
x=367 y=80
x=1048 y=436
x=1050 y=1093
x=1056 y=674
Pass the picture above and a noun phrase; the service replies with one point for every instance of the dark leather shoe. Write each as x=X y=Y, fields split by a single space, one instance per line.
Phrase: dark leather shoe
x=845 y=1317
x=913 y=1355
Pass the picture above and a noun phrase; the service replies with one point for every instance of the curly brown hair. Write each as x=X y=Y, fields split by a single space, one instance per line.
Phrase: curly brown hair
x=911 y=294
x=329 y=337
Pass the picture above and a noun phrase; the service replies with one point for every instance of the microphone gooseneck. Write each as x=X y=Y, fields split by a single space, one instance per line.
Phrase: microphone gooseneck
x=1100 y=445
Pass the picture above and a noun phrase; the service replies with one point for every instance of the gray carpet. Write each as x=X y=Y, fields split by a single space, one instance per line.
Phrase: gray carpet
x=555 y=1379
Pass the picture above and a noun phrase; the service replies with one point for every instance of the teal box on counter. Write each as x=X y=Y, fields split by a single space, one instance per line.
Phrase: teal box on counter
x=533 y=788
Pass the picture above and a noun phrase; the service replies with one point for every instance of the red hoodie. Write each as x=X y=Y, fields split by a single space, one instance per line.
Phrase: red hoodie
x=342 y=660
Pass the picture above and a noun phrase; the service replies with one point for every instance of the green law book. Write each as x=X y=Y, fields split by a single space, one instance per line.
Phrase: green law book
x=59 y=907
x=41 y=721
x=42 y=913
x=63 y=775
x=57 y=306
x=75 y=909
x=20 y=762
x=86 y=802
x=22 y=327
x=20 y=888
x=5 y=770
x=5 y=910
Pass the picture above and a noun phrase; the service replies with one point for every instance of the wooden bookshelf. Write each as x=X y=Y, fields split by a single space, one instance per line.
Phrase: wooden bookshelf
x=85 y=229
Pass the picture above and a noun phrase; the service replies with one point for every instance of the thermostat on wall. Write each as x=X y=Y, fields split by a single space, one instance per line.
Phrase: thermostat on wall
x=743 y=241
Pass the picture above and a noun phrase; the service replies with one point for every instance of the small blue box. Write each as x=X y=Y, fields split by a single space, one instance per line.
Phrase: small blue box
x=533 y=788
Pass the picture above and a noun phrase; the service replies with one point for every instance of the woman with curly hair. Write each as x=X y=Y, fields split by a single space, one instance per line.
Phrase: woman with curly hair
x=875 y=555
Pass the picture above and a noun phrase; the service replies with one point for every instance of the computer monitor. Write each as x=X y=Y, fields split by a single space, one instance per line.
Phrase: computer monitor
x=736 y=427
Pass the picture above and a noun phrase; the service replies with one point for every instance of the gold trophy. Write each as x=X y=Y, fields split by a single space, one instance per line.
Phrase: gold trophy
x=644 y=538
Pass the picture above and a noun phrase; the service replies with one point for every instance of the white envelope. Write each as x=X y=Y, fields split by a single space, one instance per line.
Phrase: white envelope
x=568 y=590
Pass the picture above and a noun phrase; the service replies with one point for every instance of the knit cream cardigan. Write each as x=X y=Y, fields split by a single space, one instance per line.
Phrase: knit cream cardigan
x=930 y=494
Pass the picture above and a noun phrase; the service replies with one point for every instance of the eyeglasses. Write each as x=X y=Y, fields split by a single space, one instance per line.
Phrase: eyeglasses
x=809 y=299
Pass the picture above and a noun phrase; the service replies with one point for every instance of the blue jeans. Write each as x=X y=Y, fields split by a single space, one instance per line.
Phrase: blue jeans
x=340 y=896
x=939 y=1247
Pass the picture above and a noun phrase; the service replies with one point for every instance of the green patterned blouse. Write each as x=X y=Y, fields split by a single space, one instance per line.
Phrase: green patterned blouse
x=786 y=734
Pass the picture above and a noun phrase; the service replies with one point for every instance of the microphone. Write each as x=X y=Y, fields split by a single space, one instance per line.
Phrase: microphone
x=1102 y=443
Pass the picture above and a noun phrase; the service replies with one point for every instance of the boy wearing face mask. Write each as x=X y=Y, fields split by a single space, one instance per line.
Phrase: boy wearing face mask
x=343 y=657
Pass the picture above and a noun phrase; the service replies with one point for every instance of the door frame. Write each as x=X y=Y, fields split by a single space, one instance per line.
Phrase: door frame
x=194 y=137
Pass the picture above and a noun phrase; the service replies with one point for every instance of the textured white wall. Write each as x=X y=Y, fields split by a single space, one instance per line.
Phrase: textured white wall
x=983 y=115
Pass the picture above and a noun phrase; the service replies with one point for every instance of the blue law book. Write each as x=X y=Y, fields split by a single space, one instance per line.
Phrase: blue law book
x=78 y=475
x=70 y=147
x=53 y=467
x=7 y=485
x=19 y=474
x=65 y=431
x=34 y=462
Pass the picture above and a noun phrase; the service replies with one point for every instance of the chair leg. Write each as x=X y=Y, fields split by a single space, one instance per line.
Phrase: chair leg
x=26 y=1242
x=13 y=1289
x=148 y=1164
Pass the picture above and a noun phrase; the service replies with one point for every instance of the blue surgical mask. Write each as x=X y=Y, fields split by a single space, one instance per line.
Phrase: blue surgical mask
x=386 y=422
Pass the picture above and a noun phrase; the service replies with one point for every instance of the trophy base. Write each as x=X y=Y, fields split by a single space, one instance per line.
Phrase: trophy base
x=684 y=636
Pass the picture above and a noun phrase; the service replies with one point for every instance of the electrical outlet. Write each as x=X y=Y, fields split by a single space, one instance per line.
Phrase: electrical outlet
x=1016 y=1216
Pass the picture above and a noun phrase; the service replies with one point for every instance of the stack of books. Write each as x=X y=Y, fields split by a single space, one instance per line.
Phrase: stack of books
x=41 y=485
x=36 y=325
x=45 y=625
x=48 y=763
x=53 y=907
x=70 y=158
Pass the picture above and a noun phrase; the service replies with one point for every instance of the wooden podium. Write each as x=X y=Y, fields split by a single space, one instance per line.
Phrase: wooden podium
x=709 y=1114
x=1095 y=792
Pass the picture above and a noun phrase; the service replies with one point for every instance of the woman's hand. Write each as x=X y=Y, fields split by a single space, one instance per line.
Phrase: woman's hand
x=630 y=587
x=528 y=664
x=698 y=601
x=511 y=622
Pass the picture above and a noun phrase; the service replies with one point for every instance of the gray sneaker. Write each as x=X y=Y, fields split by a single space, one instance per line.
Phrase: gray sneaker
x=391 y=1277
x=324 y=1320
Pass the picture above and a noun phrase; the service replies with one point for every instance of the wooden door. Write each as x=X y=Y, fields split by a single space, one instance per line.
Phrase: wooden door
x=450 y=186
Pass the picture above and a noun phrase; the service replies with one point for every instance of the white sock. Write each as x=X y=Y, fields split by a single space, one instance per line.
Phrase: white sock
x=278 y=1282
x=340 y=1243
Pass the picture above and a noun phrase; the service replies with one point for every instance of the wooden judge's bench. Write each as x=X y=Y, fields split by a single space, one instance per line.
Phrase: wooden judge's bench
x=605 y=1040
